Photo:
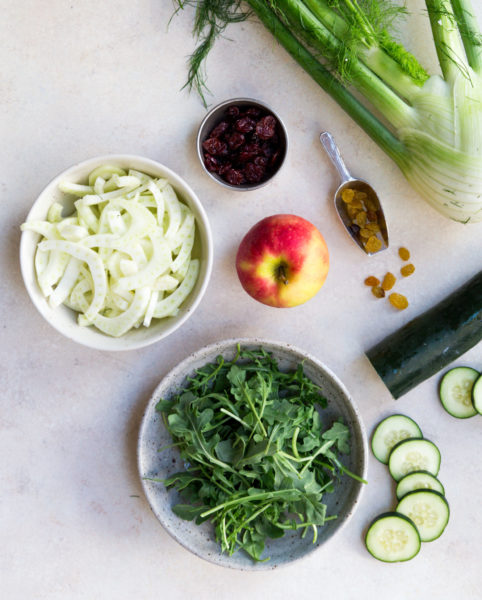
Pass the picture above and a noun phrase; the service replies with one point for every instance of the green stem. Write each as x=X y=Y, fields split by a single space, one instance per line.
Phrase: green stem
x=360 y=18
x=233 y=416
x=470 y=32
x=323 y=448
x=248 y=498
x=450 y=52
x=316 y=35
x=255 y=413
x=370 y=52
x=293 y=442
x=391 y=72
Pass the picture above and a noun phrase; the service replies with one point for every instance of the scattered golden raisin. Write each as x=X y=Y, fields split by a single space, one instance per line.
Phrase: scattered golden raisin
x=388 y=281
x=378 y=292
x=373 y=227
x=361 y=219
x=372 y=281
x=365 y=233
x=398 y=301
x=407 y=270
x=347 y=195
x=373 y=244
x=403 y=253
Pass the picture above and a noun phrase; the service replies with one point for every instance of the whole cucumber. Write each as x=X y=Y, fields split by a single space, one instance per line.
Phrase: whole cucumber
x=430 y=341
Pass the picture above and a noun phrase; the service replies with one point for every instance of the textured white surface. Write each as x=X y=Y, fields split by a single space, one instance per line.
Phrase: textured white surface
x=86 y=78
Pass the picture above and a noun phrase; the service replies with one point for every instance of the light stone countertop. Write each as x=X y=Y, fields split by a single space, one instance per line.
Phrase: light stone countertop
x=81 y=79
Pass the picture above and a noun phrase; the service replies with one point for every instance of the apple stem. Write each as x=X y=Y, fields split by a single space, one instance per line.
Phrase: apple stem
x=281 y=274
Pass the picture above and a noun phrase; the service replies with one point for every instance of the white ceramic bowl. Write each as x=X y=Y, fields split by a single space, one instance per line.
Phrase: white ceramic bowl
x=64 y=319
x=200 y=539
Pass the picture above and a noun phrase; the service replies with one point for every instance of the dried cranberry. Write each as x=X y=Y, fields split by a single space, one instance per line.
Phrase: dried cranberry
x=223 y=169
x=212 y=164
x=245 y=124
x=267 y=150
x=214 y=146
x=235 y=177
x=219 y=130
x=249 y=152
x=254 y=173
x=235 y=140
x=261 y=161
x=233 y=111
x=253 y=112
x=265 y=127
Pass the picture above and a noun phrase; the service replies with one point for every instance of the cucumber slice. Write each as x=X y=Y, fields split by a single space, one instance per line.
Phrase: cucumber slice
x=413 y=455
x=418 y=480
x=392 y=537
x=456 y=392
x=389 y=432
x=477 y=395
x=429 y=510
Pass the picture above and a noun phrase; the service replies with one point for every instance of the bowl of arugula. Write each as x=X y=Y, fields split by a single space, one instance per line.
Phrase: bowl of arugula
x=252 y=454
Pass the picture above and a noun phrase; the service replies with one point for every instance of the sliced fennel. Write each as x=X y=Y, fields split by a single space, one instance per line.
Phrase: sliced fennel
x=123 y=258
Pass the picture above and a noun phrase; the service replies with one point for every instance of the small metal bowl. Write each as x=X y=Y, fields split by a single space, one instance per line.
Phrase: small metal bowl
x=215 y=116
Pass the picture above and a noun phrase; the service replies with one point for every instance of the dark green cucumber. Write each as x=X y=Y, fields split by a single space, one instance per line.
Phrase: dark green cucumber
x=430 y=341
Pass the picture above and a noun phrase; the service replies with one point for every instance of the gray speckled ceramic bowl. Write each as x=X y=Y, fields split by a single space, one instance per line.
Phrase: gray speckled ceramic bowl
x=200 y=538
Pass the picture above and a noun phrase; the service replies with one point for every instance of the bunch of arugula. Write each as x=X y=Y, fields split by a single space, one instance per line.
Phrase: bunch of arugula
x=257 y=458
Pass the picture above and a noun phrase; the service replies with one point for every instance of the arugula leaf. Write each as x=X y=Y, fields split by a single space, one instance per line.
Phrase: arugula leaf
x=340 y=434
x=187 y=511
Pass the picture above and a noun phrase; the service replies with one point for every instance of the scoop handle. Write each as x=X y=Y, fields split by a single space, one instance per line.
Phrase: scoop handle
x=333 y=152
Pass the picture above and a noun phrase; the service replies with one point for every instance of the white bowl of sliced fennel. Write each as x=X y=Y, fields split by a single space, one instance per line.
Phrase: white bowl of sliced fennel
x=116 y=252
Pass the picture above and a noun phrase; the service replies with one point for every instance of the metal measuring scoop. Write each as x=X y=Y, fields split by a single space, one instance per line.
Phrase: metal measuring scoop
x=347 y=181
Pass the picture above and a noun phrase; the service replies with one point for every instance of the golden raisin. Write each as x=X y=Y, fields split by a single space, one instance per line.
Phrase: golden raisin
x=373 y=244
x=388 y=281
x=398 y=301
x=373 y=227
x=361 y=196
x=378 y=292
x=352 y=212
x=356 y=203
x=372 y=281
x=366 y=233
x=403 y=253
x=361 y=218
x=371 y=204
x=407 y=270
x=372 y=215
x=347 y=195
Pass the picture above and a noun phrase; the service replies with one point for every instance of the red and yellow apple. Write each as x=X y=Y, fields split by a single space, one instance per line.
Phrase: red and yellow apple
x=282 y=261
